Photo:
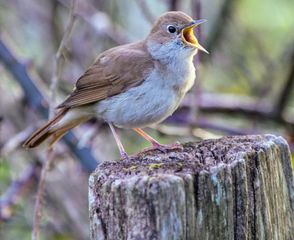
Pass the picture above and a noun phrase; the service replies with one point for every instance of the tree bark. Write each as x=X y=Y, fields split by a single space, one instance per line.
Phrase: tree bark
x=228 y=188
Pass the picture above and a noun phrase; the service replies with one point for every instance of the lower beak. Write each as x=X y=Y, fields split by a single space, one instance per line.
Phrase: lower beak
x=202 y=48
x=188 y=34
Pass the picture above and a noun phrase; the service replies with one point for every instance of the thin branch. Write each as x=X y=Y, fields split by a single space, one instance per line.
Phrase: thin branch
x=40 y=194
x=58 y=63
x=245 y=106
x=17 y=189
x=99 y=21
x=53 y=88
x=205 y=123
x=16 y=141
x=35 y=100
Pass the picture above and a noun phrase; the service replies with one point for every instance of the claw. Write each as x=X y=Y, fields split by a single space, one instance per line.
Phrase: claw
x=164 y=148
x=124 y=156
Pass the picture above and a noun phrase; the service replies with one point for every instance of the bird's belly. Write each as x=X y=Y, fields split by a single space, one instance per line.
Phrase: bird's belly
x=140 y=106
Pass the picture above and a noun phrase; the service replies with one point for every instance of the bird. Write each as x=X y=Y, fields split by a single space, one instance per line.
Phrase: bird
x=132 y=86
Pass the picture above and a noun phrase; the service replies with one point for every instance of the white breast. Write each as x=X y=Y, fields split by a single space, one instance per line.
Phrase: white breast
x=152 y=101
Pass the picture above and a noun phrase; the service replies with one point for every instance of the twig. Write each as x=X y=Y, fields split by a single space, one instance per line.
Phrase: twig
x=59 y=59
x=50 y=154
x=202 y=123
x=17 y=189
x=146 y=11
x=100 y=21
x=40 y=194
x=35 y=100
x=247 y=107
x=182 y=120
x=15 y=141
x=207 y=124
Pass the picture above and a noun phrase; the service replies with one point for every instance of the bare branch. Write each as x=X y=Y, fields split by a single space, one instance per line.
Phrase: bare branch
x=50 y=154
x=208 y=124
x=40 y=194
x=100 y=21
x=15 y=141
x=244 y=106
x=59 y=59
x=17 y=189
x=35 y=100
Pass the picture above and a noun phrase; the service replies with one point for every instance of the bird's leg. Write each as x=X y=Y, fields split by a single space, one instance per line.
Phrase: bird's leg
x=122 y=151
x=155 y=144
x=150 y=139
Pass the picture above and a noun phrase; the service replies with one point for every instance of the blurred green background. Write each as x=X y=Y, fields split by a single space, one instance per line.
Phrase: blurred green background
x=244 y=86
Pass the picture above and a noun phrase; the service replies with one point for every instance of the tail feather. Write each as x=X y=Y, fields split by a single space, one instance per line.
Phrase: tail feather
x=58 y=133
x=45 y=132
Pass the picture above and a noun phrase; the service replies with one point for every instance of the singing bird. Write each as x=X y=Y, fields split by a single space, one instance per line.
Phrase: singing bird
x=133 y=85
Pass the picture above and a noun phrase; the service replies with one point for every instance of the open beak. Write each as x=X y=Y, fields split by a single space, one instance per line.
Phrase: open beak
x=188 y=36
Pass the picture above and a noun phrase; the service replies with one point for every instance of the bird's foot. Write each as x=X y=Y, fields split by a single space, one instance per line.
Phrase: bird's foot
x=164 y=148
x=124 y=155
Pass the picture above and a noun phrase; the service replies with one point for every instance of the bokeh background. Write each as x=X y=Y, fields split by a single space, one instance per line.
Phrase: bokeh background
x=244 y=86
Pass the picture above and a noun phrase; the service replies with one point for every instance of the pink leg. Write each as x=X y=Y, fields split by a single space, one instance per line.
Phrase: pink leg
x=148 y=138
x=122 y=151
x=155 y=144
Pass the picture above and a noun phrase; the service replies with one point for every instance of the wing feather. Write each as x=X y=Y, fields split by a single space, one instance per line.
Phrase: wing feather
x=113 y=72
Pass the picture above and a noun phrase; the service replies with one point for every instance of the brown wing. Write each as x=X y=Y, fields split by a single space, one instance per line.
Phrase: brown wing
x=113 y=72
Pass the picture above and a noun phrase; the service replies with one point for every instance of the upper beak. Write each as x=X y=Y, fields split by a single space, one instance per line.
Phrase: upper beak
x=194 y=23
x=188 y=28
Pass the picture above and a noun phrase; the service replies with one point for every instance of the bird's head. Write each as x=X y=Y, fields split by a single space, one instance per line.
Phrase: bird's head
x=174 y=31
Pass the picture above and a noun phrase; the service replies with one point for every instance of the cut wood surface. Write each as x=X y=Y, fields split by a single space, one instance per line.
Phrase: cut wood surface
x=229 y=188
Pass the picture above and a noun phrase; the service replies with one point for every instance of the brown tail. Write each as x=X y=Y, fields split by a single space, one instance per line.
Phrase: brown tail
x=46 y=131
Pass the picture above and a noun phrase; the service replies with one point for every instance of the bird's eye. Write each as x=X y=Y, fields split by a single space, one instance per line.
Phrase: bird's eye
x=171 y=29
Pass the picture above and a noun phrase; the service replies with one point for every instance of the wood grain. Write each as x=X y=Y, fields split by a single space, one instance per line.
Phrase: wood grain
x=230 y=188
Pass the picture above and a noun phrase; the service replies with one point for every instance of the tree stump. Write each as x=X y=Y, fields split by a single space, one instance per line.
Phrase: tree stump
x=229 y=188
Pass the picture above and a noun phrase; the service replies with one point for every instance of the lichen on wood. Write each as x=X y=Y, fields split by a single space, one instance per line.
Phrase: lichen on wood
x=229 y=188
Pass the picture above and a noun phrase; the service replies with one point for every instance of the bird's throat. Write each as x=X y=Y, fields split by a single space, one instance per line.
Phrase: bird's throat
x=189 y=37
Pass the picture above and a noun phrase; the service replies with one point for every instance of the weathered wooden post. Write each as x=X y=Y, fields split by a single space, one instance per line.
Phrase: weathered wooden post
x=230 y=188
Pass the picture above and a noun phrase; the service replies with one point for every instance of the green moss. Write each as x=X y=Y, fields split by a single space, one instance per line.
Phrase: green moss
x=132 y=168
x=155 y=166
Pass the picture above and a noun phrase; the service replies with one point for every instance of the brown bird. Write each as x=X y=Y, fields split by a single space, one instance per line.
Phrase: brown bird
x=133 y=85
